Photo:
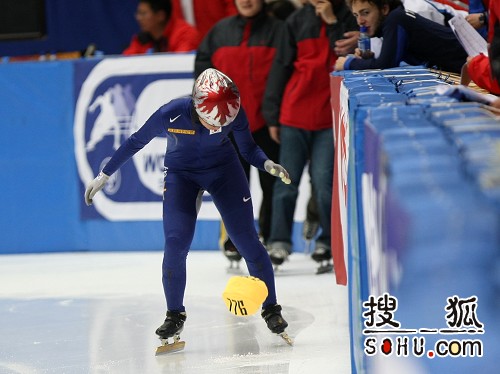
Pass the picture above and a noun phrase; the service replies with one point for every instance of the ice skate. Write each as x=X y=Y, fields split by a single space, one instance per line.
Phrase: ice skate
x=323 y=256
x=171 y=328
x=309 y=231
x=276 y=323
x=230 y=251
x=232 y=254
x=278 y=253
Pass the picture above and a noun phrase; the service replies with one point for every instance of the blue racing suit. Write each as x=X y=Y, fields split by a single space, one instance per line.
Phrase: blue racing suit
x=198 y=159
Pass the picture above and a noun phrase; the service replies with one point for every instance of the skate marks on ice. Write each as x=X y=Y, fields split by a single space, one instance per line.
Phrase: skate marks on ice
x=117 y=335
x=242 y=344
x=78 y=335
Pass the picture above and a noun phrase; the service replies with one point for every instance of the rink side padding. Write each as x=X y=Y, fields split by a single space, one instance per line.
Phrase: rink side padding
x=419 y=222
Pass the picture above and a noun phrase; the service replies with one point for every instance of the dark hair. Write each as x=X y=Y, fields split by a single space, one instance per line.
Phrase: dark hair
x=158 y=5
x=336 y=3
x=280 y=9
x=393 y=4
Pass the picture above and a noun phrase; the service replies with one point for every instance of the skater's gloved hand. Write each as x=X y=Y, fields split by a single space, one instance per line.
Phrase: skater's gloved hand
x=95 y=186
x=277 y=170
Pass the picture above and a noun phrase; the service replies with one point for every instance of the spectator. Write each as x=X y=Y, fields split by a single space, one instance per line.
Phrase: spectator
x=407 y=37
x=480 y=68
x=297 y=110
x=160 y=32
x=282 y=9
x=243 y=47
x=342 y=46
x=203 y=14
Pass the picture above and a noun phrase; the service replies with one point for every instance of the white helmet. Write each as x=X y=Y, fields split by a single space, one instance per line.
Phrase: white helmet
x=216 y=98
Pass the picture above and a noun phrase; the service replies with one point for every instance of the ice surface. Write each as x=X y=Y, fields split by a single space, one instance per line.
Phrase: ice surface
x=97 y=313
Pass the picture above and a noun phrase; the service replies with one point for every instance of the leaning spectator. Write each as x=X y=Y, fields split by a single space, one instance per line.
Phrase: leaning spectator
x=282 y=9
x=407 y=38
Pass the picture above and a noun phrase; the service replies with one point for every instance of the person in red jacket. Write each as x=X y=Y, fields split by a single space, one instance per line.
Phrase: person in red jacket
x=297 y=108
x=160 y=32
x=203 y=14
x=478 y=68
x=243 y=47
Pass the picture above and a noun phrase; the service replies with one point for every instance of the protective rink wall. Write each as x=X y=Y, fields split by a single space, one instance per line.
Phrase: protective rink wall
x=60 y=121
x=416 y=222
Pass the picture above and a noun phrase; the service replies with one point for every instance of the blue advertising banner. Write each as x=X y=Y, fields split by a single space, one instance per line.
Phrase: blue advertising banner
x=114 y=97
x=38 y=197
x=62 y=120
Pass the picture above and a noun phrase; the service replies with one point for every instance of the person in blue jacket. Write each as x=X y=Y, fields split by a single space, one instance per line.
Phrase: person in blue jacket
x=407 y=38
x=200 y=157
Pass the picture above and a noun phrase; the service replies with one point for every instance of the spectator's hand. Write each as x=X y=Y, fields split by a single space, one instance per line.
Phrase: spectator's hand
x=465 y=78
x=365 y=55
x=339 y=64
x=324 y=9
x=274 y=133
x=277 y=170
x=345 y=46
x=496 y=104
x=474 y=20
x=94 y=187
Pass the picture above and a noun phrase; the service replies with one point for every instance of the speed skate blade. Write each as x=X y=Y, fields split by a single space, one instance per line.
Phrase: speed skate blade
x=170 y=348
x=286 y=338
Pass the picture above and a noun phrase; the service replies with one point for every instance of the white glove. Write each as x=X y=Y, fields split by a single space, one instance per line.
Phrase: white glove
x=95 y=186
x=277 y=170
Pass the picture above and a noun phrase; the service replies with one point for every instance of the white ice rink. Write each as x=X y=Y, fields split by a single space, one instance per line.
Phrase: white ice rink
x=97 y=313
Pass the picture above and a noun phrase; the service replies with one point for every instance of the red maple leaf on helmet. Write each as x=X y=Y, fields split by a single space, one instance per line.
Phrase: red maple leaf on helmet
x=226 y=101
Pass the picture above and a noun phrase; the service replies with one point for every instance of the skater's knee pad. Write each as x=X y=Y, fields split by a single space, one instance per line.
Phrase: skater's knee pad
x=244 y=295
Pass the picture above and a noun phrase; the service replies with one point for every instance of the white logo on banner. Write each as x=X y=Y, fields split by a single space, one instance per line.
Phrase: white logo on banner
x=114 y=116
